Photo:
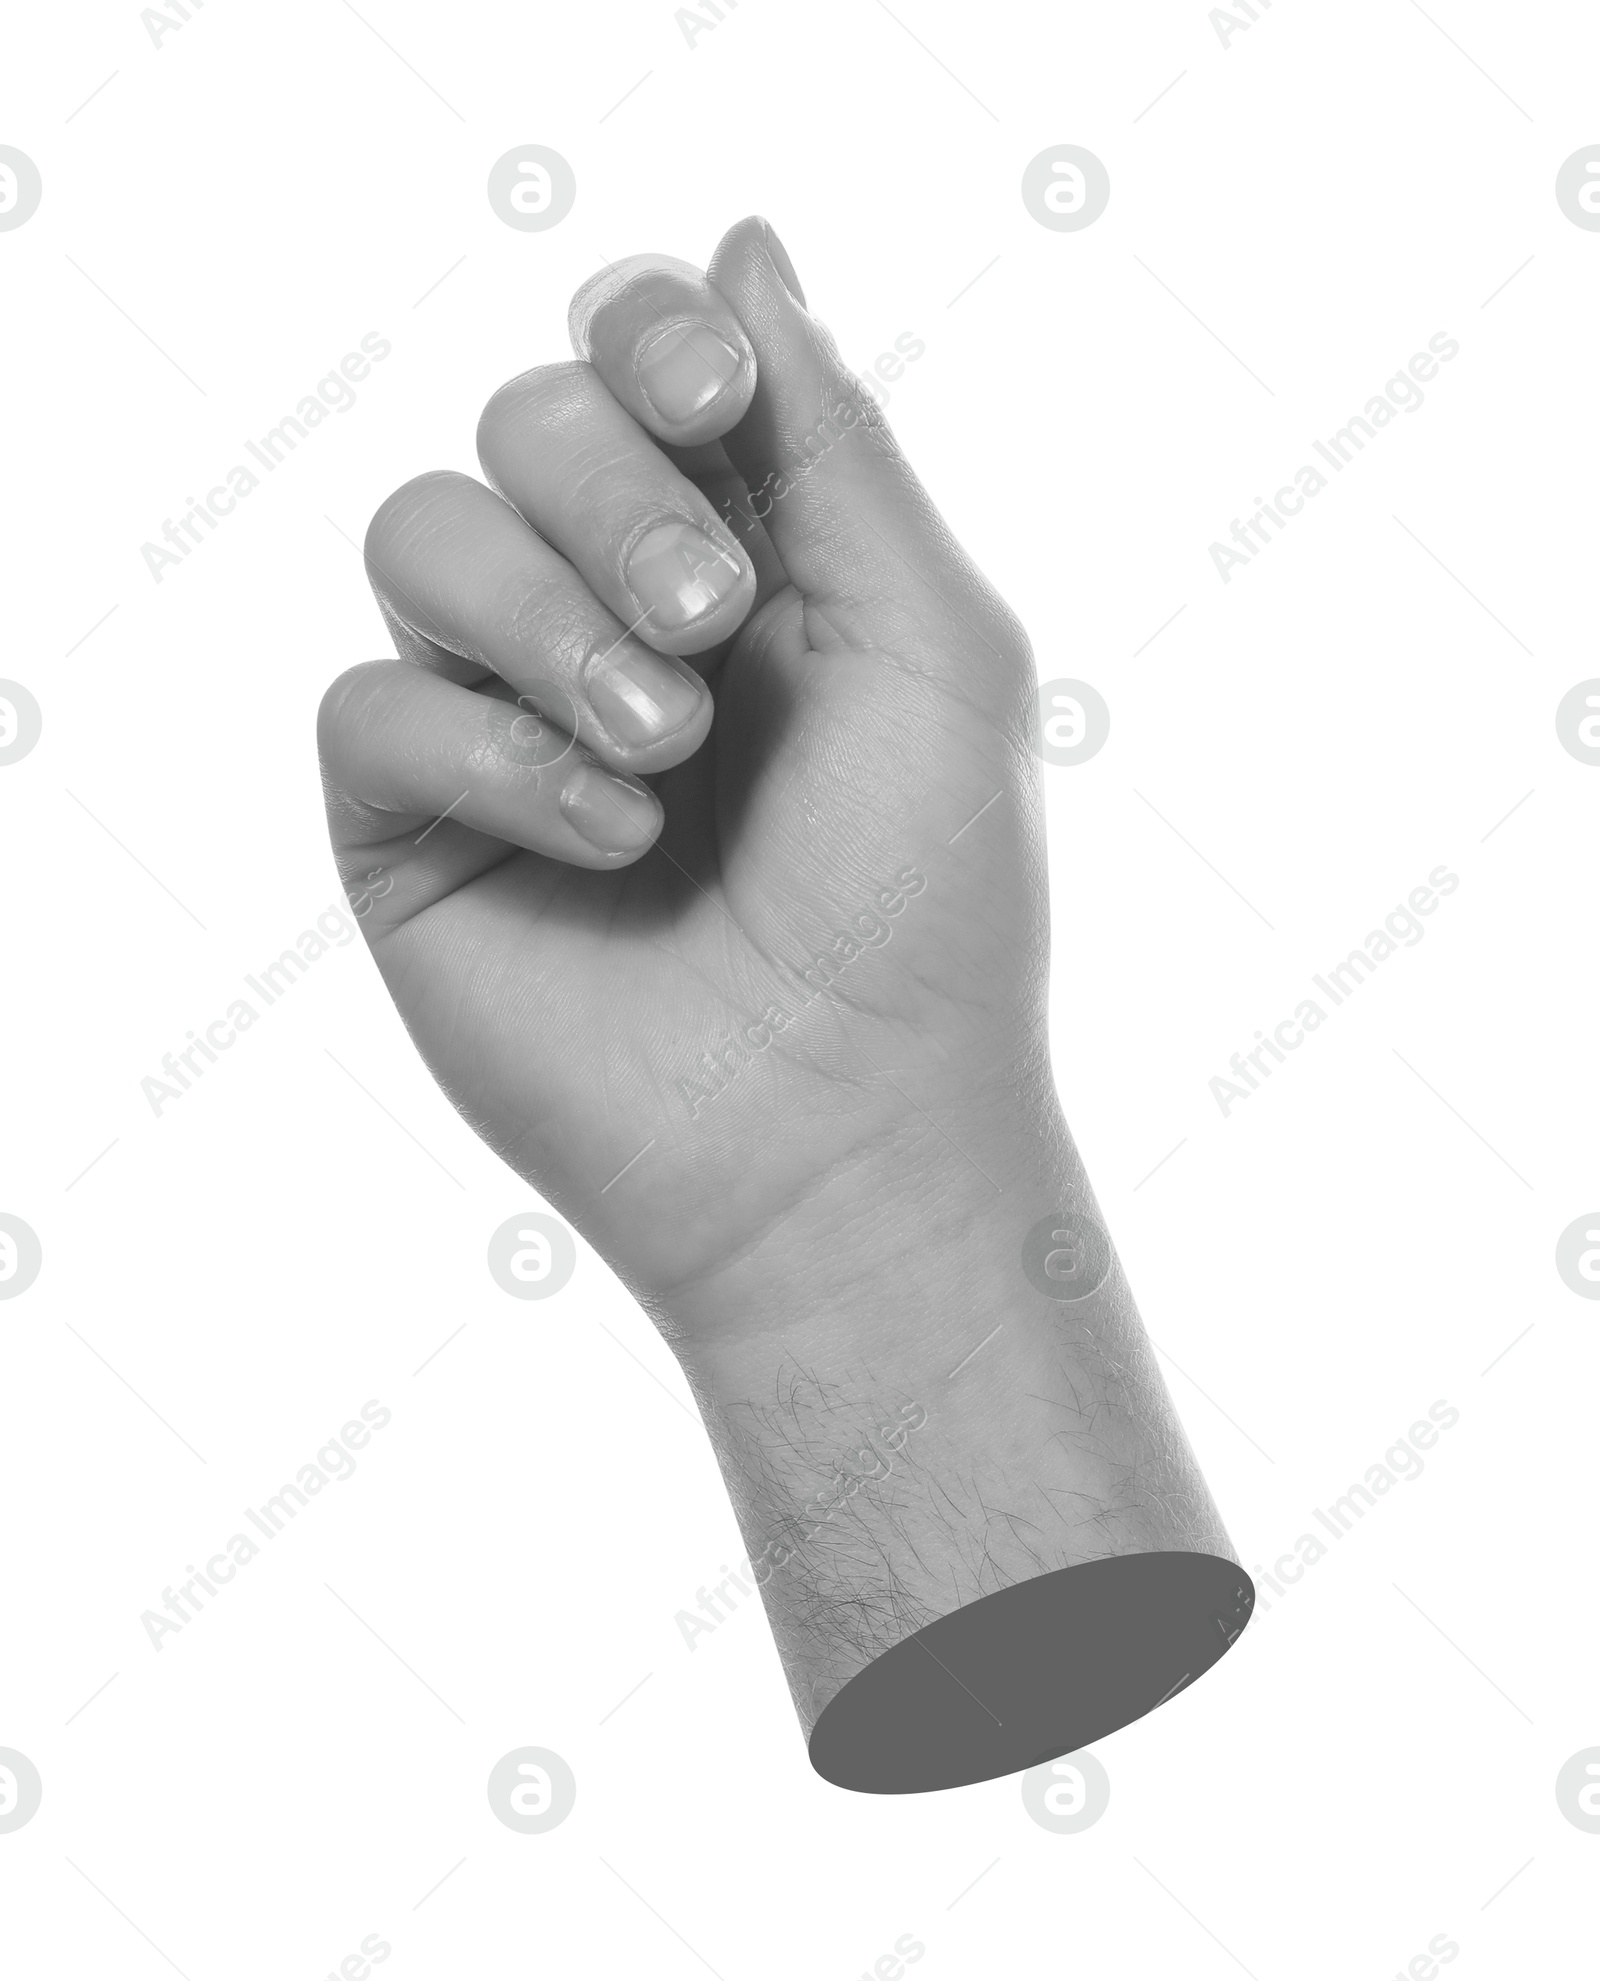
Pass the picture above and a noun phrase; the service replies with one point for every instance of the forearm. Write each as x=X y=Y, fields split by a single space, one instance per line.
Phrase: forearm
x=908 y=1422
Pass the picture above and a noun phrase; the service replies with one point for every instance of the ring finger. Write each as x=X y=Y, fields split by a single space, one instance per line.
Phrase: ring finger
x=460 y=571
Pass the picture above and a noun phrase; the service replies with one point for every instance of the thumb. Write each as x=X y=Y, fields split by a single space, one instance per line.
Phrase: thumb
x=855 y=530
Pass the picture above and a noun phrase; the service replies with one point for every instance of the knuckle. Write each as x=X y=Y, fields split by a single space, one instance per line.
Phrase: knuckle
x=536 y=610
x=343 y=700
x=547 y=396
x=411 y=514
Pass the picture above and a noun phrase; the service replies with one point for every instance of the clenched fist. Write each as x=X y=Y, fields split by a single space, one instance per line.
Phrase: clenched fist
x=699 y=833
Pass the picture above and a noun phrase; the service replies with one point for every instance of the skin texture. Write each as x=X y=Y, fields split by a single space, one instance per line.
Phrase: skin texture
x=817 y=1179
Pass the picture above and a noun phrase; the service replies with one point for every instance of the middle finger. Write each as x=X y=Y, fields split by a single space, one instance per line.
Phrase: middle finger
x=589 y=479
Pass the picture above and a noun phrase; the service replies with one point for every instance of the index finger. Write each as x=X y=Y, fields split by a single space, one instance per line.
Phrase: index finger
x=667 y=345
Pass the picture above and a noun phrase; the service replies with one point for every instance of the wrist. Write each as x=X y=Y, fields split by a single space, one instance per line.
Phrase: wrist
x=894 y=1251
x=928 y=1387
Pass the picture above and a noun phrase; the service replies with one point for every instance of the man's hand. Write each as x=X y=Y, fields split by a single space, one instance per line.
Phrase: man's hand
x=588 y=963
x=697 y=834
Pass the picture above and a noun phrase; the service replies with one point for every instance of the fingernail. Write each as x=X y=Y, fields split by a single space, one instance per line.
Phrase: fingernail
x=612 y=813
x=779 y=256
x=678 y=574
x=639 y=696
x=682 y=370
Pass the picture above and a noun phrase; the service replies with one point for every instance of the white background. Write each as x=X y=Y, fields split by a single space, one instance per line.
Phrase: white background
x=228 y=1283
